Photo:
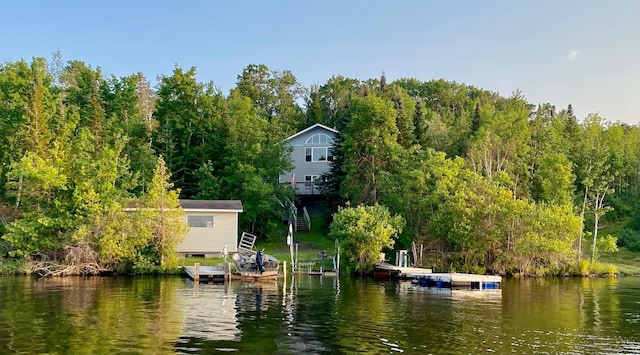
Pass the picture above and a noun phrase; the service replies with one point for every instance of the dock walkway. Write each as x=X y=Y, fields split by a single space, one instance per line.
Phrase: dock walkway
x=206 y=273
x=400 y=271
x=214 y=274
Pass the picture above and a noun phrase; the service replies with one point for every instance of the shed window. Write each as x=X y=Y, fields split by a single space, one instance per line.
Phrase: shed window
x=196 y=221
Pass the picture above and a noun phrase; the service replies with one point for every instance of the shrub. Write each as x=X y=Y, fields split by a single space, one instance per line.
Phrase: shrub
x=364 y=231
x=630 y=239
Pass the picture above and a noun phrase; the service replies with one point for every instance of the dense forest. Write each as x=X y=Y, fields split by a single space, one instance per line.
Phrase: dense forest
x=483 y=182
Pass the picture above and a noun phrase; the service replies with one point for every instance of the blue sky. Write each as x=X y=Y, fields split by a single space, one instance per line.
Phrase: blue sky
x=585 y=52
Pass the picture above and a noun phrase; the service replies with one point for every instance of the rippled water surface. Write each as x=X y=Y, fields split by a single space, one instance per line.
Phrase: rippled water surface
x=313 y=315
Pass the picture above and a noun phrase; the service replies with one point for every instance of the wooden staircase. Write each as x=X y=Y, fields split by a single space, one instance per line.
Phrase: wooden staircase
x=301 y=224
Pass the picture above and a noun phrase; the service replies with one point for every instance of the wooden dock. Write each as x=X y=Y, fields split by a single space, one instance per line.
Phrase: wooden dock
x=214 y=274
x=255 y=276
x=205 y=273
x=383 y=269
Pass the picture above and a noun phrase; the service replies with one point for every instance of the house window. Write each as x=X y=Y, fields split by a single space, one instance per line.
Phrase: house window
x=319 y=138
x=197 y=221
x=317 y=154
x=320 y=154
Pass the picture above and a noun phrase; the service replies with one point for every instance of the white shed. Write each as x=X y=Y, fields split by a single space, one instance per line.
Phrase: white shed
x=213 y=224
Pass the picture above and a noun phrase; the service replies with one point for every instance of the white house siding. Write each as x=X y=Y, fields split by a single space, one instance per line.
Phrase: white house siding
x=211 y=241
x=302 y=167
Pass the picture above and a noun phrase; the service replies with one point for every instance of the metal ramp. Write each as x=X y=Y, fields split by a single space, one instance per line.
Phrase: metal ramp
x=247 y=242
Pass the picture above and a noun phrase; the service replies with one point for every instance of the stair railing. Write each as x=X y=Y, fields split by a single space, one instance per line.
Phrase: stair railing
x=306 y=217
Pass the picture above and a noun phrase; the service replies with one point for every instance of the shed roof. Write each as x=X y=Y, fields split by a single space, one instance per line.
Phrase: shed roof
x=227 y=205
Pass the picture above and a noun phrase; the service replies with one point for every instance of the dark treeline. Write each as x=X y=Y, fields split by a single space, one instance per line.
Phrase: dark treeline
x=483 y=182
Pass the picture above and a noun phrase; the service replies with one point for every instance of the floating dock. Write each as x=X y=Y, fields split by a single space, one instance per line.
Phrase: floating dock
x=458 y=281
x=425 y=277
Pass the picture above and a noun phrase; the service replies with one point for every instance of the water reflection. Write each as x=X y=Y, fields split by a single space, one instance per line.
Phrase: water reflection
x=316 y=315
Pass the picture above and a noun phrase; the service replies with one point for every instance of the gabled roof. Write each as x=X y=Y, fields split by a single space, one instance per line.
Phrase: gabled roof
x=312 y=127
x=212 y=205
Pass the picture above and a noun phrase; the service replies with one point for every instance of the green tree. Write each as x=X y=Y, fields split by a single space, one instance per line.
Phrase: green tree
x=369 y=146
x=41 y=227
x=252 y=165
x=275 y=95
x=16 y=81
x=556 y=180
x=129 y=105
x=405 y=114
x=189 y=115
x=416 y=189
x=330 y=102
x=167 y=221
x=595 y=175
x=502 y=144
x=546 y=239
x=364 y=231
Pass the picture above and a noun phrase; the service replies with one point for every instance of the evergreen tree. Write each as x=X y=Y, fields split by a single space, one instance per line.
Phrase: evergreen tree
x=369 y=147
x=166 y=218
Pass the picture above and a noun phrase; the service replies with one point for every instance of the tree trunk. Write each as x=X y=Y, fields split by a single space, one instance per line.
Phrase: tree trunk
x=595 y=236
x=584 y=206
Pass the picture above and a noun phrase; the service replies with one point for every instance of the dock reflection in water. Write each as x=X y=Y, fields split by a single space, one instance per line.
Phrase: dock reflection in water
x=316 y=315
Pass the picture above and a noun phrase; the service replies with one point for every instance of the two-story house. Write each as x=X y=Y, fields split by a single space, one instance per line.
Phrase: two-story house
x=311 y=156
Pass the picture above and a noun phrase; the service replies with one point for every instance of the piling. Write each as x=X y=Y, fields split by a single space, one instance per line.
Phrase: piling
x=196 y=272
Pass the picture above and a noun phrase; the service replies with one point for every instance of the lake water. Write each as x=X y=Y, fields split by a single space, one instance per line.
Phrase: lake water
x=314 y=315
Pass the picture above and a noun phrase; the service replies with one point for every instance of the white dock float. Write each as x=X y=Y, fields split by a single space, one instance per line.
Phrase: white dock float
x=459 y=280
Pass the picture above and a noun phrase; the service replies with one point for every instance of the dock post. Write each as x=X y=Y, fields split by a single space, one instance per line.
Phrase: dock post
x=284 y=269
x=196 y=272
x=296 y=261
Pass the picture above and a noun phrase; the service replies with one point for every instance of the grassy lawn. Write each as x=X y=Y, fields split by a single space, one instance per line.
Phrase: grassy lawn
x=190 y=261
x=627 y=262
x=310 y=244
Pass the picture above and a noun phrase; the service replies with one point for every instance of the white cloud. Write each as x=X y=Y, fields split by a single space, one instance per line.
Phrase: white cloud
x=572 y=55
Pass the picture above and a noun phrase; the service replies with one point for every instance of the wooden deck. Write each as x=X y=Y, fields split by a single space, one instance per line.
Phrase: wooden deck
x=213 y=274
x=207 y=273
x=255 y=276
x=400 y=272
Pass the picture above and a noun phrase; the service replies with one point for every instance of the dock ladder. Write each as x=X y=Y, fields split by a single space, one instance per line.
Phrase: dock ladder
x=247 y=242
